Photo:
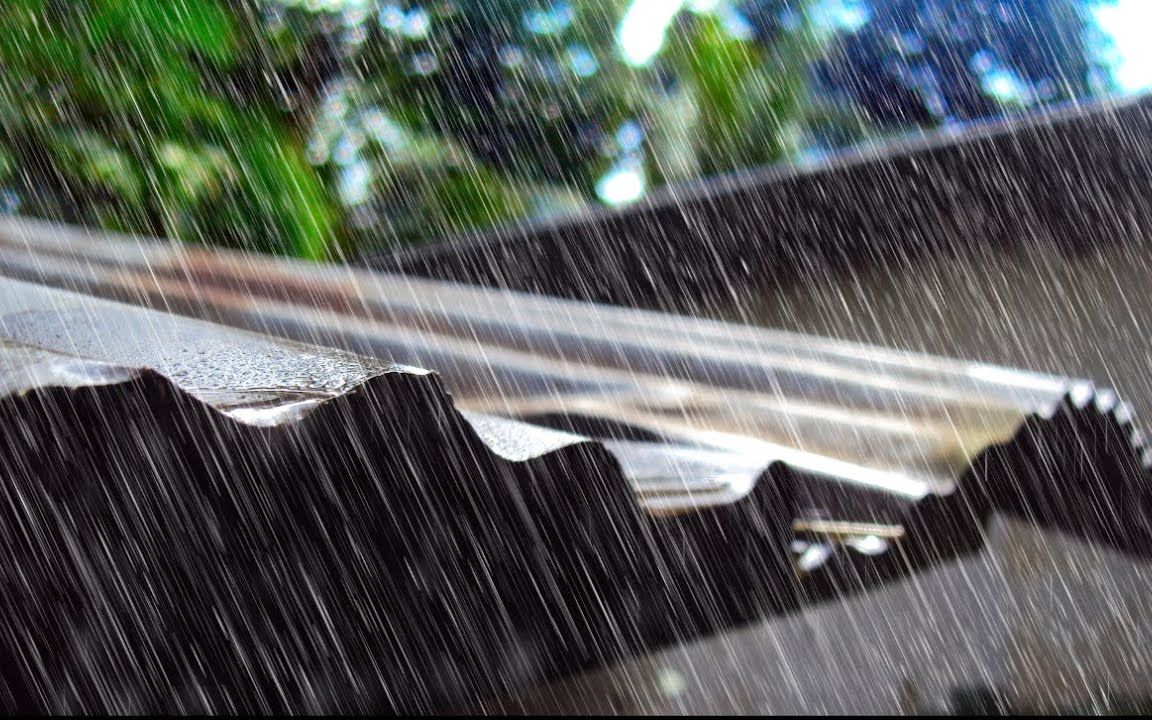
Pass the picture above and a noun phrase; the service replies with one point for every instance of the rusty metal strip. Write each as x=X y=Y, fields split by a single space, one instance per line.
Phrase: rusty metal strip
x=500 y=341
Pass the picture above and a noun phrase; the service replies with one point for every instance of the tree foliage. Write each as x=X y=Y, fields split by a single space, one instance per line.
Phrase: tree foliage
x=180 y=119
x=311 y=127
x=924 y=62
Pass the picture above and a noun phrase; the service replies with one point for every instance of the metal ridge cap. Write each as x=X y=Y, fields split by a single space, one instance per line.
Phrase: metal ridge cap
x=24 y=368
x=225 y=366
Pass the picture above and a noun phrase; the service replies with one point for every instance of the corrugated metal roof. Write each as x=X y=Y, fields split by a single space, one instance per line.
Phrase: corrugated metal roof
x=205 y=519
x=240 y=521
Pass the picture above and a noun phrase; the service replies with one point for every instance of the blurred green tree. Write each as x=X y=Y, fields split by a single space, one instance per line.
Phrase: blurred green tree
x=463 y=115
x=309 y=127
x=181 y=119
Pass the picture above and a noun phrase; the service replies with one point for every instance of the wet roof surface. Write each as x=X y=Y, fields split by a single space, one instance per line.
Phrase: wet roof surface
x=654 y=494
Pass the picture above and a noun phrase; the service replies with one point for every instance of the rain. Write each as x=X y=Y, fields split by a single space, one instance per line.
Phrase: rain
x=575 y=356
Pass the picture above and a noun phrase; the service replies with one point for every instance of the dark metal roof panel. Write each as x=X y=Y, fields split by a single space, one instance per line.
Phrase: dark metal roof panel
x=908 y=420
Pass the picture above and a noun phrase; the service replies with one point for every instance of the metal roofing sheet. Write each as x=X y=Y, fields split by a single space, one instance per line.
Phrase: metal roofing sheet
x=204 y=519
x=278 y=525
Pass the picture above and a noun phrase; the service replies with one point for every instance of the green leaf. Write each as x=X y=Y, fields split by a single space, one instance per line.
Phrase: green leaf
x=472 y=198
x=206 y=27
x=97 y=163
